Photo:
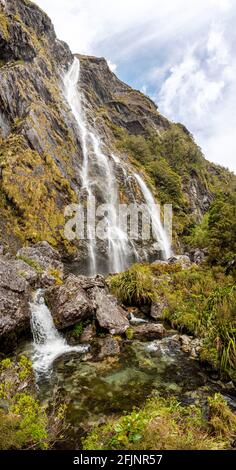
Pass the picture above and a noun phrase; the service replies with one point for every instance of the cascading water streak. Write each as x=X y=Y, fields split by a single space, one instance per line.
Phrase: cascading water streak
x=157 y=227
x=74 y=100
x=47 y=342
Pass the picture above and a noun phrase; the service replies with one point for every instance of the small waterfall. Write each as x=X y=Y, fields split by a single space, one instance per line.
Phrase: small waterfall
x=158 y=230
x=48 y=343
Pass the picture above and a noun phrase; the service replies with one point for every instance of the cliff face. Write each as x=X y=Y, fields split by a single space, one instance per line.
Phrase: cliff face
x=38 y=146
x=41 y=151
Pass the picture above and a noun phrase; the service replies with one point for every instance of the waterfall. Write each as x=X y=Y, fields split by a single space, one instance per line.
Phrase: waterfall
x=119 y=247
x=48 y=343
x=158 y=230
x=74 y=100
x=98 y=179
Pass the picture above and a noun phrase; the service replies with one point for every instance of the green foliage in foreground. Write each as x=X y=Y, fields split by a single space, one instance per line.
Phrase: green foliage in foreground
x=24 y=423
x=202 y=302
x=135 y=286
x=165 y=424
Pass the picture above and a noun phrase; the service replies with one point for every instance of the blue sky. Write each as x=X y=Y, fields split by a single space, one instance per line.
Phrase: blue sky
x=182 y=53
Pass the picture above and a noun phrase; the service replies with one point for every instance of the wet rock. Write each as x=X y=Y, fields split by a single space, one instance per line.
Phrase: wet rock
x=157 y=309
x=109 y=347
x=14 y=308
x=69 y=303
x=160 y=261
x=43 y=254
x=190 y=345
x=90 y=282
x=136 y=320
x=198 y=256
x=26 y=271
x=109 y=314
x=44 y=260
x=149 y=331
x=183 y=260
x=88 y=334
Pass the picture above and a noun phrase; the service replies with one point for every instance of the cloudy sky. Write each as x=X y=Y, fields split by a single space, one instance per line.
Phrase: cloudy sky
x=182 y=53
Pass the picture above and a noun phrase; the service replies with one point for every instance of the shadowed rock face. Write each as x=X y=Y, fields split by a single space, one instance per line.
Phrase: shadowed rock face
x=14 y=309
x=126 y=107
x=41 y=150
x=81 y=298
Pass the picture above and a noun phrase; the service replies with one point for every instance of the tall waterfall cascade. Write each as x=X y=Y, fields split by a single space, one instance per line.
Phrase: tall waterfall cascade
x=48 y=344
x=120 y=247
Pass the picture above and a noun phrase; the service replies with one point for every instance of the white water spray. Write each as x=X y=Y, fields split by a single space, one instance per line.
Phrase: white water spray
x=48 y=343
x=119 y=247
x=158 y=229
x=74 y=100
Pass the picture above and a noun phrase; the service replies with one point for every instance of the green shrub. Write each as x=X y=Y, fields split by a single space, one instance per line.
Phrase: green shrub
x=202 y=302
x=78 y=329
x=222 y=229
x=167 y=425
x=135 y=286
x=24 y=422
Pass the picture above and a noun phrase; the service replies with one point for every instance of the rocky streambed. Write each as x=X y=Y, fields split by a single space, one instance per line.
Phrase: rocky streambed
x=97 y=356
x=96 y=387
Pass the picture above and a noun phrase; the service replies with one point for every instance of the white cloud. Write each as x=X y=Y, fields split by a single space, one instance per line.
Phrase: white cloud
x=180 y=52
x=201 y=92
x=112 y=67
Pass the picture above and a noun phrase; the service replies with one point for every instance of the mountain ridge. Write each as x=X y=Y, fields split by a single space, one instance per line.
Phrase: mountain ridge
x=41 y=154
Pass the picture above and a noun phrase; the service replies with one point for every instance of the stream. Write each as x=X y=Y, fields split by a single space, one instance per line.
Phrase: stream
x=95 y=390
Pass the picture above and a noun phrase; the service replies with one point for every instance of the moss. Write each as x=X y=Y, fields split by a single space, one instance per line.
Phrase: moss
x=171 y=162
x=167 y=425
x=34 y=194
x=57 y=274
x=129 y=333
x=4 y=26
x=32 y=263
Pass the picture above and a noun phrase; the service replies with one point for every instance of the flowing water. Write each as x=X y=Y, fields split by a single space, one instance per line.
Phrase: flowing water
x=48 y=344
x=157 y=228
x=98 y=178
x=96 y=390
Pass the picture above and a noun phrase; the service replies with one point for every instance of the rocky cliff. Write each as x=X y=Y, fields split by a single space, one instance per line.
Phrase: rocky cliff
x=41 y=151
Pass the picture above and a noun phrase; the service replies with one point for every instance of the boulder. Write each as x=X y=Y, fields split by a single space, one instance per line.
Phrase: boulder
x=91 y=282
x=148 y=331
x=69 y=303
x=88 y=334
x=43 y=254
x=45 y=261
x=183 y=260
x=109 y=347
x=109 y=314
x=157 y=309
x=190 y=345
x=198 y=256
x=14 y=308
x=26 y=271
